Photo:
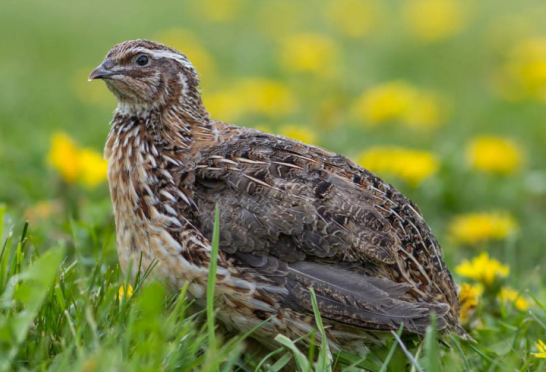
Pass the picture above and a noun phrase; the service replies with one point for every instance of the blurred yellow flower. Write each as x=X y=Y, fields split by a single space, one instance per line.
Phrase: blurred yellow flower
x=218 y=11
x=509 y=294
x=93 y=167
x=524 y=73
x=385 y=102
x=298 y=132
x=354 y=18
x=468 y=298
x=226 y=105
x=267 y=96
x=494 y=154
x=251 y=96
x=309 y=52
x=63 y=156
x=414 y=166
x=483 y=269
x=76 y=164
x=475 y=228
x=398 y=101
x=541 y=347
x=121 y=292
x=186 y=42
x=433 y=20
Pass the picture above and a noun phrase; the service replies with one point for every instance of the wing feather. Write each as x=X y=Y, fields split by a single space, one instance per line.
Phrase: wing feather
x=300 y=217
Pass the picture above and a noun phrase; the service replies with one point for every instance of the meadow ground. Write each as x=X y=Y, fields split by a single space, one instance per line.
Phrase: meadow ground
x=445 y=99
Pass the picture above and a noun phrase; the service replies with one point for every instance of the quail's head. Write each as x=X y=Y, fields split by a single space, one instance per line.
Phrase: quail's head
x=147 y=74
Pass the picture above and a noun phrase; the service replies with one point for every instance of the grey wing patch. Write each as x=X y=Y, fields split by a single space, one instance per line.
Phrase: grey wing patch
x=359 y=300
x=323 y=215
x=269 y=267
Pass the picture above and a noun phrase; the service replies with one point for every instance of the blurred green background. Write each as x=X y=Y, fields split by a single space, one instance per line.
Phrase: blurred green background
x=445 y=99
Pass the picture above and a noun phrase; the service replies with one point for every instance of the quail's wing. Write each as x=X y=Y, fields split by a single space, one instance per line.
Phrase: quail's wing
x=302 y=217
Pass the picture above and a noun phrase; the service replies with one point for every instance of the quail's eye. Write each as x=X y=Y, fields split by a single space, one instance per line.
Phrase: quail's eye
x=142 y=60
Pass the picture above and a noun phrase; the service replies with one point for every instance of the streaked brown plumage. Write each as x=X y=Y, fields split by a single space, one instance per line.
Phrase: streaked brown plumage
x=293 y=216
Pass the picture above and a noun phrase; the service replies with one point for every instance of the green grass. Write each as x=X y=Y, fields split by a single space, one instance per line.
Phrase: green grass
x=59 y=315
x=59 y=274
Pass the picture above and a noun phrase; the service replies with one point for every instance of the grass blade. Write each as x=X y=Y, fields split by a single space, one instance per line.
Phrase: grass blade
x=392 y=350
x=325 y=357
x=29 y=289
x=279 y=365
x=408 y=354
x=301 y=360
x=212 y=277
x=431 y=346
x=461 y=353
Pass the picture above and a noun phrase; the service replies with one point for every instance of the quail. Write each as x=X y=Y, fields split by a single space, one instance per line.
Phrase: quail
x=292 y=216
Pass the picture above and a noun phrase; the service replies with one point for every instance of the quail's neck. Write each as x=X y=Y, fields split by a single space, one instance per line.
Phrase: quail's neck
x=135 y=109
x=170 y=126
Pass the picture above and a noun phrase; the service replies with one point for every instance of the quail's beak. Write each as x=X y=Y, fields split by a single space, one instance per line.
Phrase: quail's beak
x=102 y=72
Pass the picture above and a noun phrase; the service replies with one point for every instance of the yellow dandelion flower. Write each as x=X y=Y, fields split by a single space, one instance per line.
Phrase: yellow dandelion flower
x=354 y=18
x=483 y=269
x=476 y=228
x=93 y=168
x=509 y=294
x=309 y=52
x=186 y=42
x=267 y=96
x=541 y=347
x=251 y=96
x=226 y=104
x=414 y=166
x=468 y=298
x=386 y=102
x=76 y=164
x=63 y=156
x=494 y=154
x=121 y=292
x=218 y=11
x=299 y=133
x=398 y=101
x=524 y=73
x=433 y=20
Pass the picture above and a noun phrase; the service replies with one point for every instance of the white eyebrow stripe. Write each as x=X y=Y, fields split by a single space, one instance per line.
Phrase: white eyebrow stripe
x=177 y=57
x=165 y=54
